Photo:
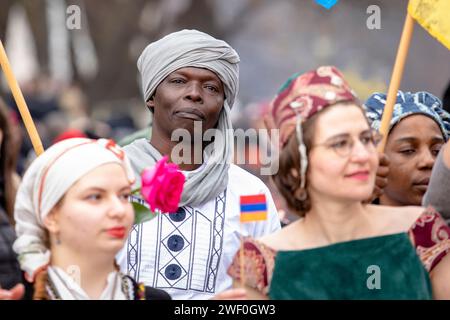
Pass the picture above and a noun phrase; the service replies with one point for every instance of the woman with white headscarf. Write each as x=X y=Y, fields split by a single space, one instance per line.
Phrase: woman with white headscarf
x=72 y=217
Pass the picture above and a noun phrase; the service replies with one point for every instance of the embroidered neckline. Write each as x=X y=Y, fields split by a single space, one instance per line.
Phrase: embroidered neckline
x=55 y=295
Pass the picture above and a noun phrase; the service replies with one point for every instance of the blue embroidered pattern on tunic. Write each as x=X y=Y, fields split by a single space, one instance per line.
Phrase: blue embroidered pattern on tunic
x=217 y=242
x=132 y=251
x=186 y=253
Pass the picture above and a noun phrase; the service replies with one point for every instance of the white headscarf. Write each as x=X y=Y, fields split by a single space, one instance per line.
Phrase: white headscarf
x=192 y=48
x=45 y=182
x=189 y=48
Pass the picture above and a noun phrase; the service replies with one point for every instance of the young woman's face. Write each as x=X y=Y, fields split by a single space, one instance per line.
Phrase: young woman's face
x=412 y=147
x=95 y=214
x=343 y=159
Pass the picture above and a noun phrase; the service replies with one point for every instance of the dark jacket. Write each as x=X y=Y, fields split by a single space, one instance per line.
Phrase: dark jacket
x=10 y=273
x=150 y=292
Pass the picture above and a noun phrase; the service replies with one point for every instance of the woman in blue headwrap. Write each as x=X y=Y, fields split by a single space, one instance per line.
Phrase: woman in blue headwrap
x=418 y=129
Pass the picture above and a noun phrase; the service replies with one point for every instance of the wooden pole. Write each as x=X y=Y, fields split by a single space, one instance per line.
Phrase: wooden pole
x=241 y=258
x=20 y=101
x=396 y=78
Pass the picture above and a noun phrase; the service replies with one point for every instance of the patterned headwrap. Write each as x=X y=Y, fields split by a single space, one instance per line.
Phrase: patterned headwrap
x=45 y=182
x=302 y=96
x=408 y=104
x=305 y=94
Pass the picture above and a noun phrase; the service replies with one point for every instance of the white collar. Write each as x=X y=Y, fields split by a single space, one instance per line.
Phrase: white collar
x=65 y=287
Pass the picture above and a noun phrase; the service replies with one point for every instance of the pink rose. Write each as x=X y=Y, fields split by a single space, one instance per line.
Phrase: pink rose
x=162 y=186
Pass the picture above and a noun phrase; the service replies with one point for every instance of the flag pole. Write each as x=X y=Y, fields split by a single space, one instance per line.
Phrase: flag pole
x=20 y=101
x=241 y=258
x=396 y=78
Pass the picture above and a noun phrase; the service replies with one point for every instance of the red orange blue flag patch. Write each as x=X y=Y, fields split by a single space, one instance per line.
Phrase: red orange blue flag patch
x=253 y=208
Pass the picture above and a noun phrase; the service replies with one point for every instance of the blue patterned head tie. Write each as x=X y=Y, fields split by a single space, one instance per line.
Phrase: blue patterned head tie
x=408 y=104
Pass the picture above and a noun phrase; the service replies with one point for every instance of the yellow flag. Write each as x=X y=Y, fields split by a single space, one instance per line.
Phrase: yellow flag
x=434 y=16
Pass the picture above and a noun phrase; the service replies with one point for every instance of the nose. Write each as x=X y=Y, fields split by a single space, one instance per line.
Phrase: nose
x=426 y=160
x=360 y=152
x=194 y=92
x=117 y=207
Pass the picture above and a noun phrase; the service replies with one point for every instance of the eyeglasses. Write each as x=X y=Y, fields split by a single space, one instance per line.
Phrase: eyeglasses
x=343 y=144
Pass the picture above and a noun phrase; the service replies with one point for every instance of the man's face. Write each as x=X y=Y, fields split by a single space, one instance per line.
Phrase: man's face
x=185 y=96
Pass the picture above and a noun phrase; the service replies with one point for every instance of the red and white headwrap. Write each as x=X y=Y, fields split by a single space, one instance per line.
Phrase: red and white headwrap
x=306 y=94
x=45 y=182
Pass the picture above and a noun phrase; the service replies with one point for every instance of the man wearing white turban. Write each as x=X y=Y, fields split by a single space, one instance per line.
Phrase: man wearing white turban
x=189 y=77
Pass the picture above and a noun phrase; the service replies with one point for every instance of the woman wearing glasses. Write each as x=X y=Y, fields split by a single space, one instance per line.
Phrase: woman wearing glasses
x=341 y=248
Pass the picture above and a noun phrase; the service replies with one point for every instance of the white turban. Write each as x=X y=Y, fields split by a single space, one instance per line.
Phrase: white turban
x=189 y=48
x=45 y=182
x=192 y=48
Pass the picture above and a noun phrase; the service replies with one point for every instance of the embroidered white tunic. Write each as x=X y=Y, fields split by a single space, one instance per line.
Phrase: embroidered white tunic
x=188 y=252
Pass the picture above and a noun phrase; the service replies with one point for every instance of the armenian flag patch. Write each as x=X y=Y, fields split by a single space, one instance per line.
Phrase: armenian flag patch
x=253 y=208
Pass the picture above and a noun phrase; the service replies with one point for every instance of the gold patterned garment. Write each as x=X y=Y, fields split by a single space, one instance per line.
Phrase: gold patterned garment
x=430 y=236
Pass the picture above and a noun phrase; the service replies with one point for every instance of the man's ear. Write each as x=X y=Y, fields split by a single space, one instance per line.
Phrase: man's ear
x=151 y=104
x=51 y=221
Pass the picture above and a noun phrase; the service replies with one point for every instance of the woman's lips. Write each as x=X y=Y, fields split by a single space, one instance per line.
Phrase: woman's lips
x=117 y=232
x=421 y=187
x=360 y=175
x=422 y=184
